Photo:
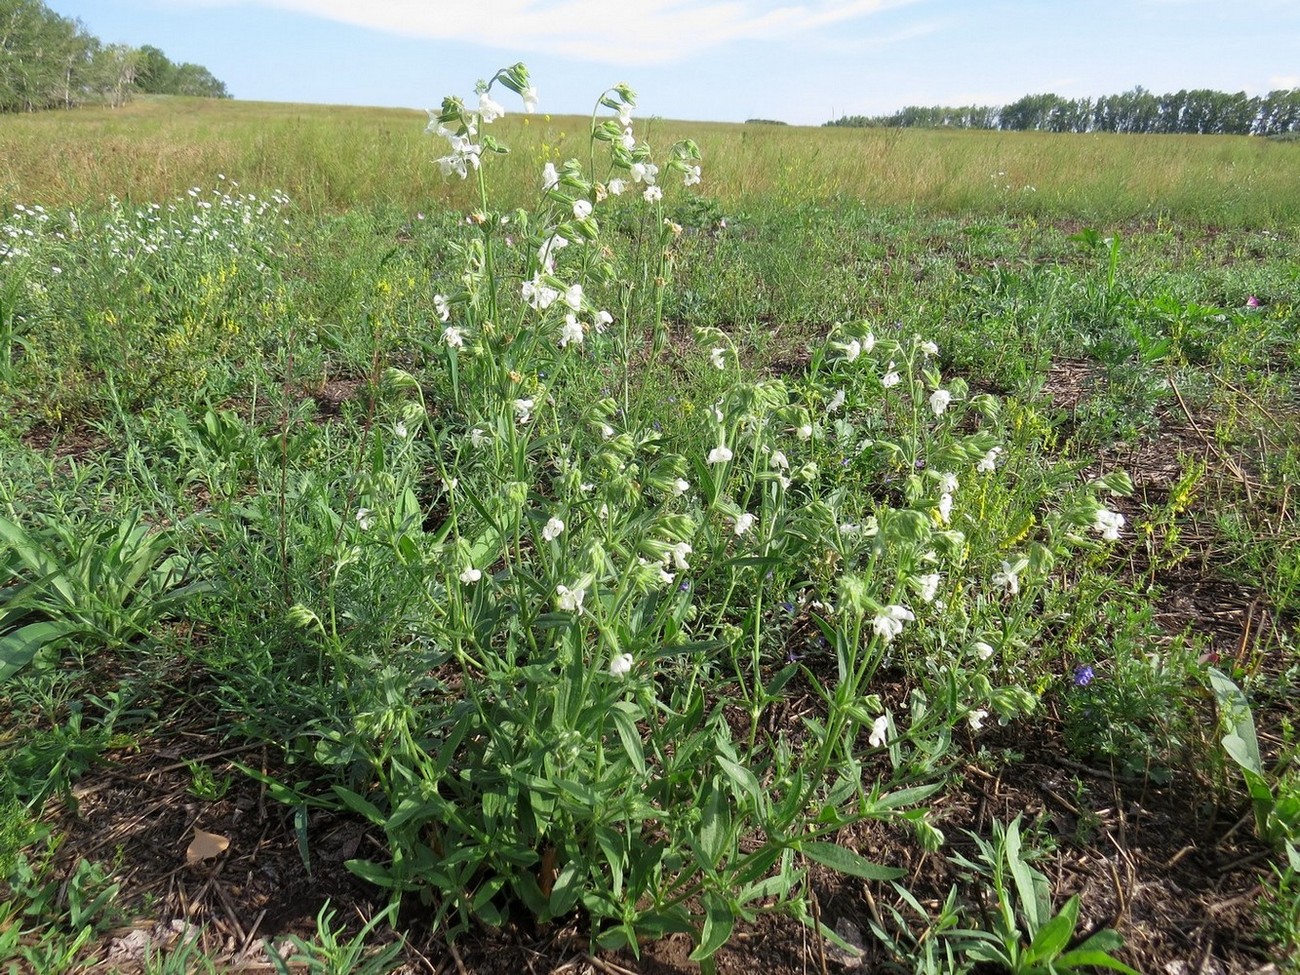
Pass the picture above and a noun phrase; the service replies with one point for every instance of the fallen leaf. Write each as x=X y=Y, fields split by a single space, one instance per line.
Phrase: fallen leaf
x=205 y=846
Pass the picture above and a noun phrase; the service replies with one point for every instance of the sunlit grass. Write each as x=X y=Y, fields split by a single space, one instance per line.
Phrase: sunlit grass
x=330 y=158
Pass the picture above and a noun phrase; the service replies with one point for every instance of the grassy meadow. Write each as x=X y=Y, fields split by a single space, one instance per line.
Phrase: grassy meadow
x=329 y=158
x=881 y=552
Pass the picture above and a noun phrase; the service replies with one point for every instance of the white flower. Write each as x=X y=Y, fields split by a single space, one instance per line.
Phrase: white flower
x=569 y=600
x=621 y=665
x=778 y=461
x=681 y=486
x=523 y=410
x=679 y=553
x=879 y=732
x=929 y=348
x=538 y=294
x=603 y=320
x=1108 y=523
x=441 y=306
x=947 y=482
x=400 y=431
x=805 y=431
x=464 y=154
x=470 y=575
x=836 y=401
x=573 y=296
x=691 y=176
x=891 y=377
x=453 y=337
x=490 y=110
x=744 y=523
x=889 y=623
x=976 y=719
x=928 y=586
x=554 y=528
x=606 y=431
x=989 y=462
x=868 y=342
x=939 y=401
x=571 y=331
x=644 y=172
x=478 y=438
x=581 y=209
x=719 y=358
x=616 y=186
x=720 y=454
x=983 y=650
x=365 y=519
x=529 y=95
x=625 y=114
x=628 y=139
x=550 y=178
x=852 y=349
x=1008 y=577
x=546 y=253
x=653 y=194
x=945 y=508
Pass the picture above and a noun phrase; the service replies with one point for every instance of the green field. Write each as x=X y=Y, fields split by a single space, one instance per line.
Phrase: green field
x=884 y=551
x=329 y=158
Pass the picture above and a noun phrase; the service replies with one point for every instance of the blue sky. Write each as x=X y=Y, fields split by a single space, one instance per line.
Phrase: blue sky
x=724 y=60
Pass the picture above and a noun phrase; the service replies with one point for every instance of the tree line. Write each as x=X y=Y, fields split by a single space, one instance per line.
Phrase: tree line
x=1198 y=112
x=49 y=61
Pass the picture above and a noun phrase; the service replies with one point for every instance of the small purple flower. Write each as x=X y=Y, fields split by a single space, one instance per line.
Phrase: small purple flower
x=1253 y=302
x=684 y=585
x=788 y=607
x=1083 y=675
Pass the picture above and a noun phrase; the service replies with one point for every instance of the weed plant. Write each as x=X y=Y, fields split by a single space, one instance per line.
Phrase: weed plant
x=519 y=527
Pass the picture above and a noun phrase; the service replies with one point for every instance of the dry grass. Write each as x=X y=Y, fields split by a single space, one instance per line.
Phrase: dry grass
x=330 y=158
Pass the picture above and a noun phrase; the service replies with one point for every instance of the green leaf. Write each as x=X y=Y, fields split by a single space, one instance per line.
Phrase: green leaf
x=624 y=716
x=372 y=872
x=360 y=804
x=1053 y=936
x=714 y=828
x=743 y=779
x=846 y=861
x=19 y=647
x=1097 y=959
x=719 y=920
x=1234 y=709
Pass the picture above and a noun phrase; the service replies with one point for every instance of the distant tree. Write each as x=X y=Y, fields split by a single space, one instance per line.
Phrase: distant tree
x=48 y=61
x=1200 y=111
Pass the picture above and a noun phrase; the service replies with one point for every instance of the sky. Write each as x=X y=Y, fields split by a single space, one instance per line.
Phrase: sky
x=718 y=60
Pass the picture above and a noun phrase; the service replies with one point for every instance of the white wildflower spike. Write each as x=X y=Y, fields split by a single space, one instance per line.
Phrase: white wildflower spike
x=1108 y=523
x=1008 y=578
x=989 y=462
x=569 y=600
x=889 y=622
x=879 y=732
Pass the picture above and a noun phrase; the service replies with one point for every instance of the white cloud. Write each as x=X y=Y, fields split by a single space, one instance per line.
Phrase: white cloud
x=1284 y=81
x=643 y=33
